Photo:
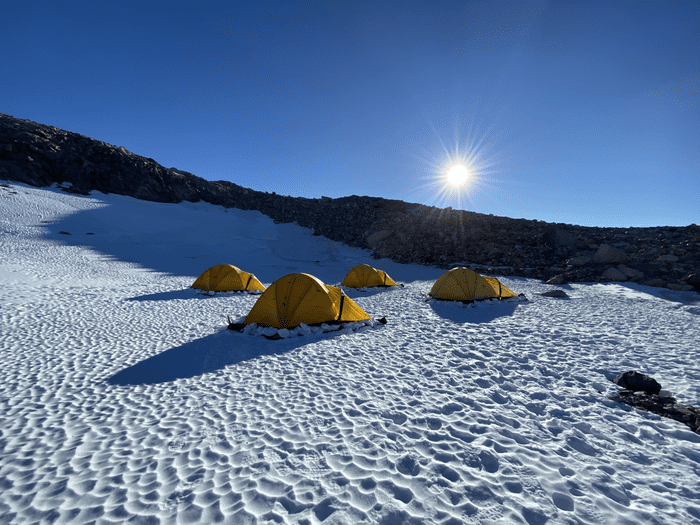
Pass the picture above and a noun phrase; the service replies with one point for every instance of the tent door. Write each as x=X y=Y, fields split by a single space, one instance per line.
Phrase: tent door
x=340 y=310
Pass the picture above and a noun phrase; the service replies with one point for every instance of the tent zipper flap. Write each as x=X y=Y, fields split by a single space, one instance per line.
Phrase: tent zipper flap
x=340 y=310
x=250 y=278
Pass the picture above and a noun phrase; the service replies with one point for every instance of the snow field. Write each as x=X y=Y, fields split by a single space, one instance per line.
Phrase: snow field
x=124 y=397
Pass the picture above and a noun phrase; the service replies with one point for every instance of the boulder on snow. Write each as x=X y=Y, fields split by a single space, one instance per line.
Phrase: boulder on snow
x=554 y=293
x=637 y=382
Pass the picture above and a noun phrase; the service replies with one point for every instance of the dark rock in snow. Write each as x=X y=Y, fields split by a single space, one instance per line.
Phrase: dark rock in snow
x=555 y=293
x=657 y=401
x=638 y=382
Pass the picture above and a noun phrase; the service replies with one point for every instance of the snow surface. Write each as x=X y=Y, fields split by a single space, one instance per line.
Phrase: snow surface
x=124 y=398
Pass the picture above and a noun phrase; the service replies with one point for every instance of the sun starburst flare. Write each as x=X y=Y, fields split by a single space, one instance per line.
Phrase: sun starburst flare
x=458 y=173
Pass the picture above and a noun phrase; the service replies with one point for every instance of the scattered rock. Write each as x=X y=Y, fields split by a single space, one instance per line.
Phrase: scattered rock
x=693 y=280
x=668 y=259
x=579 y=261
x=557 y=279
x=630 y=273
x=554 y=293
x=613 y=274
x=377 y=237
x=555 y=236
x=609 y=254
x=636 y=382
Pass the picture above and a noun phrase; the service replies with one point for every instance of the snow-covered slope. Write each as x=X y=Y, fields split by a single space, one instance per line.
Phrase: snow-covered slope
x=123 y=398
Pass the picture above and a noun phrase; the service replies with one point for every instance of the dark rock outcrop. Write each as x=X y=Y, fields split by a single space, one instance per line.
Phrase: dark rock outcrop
x=637 y=382
x=694 y=281
x=41 y=155
x=641 y=392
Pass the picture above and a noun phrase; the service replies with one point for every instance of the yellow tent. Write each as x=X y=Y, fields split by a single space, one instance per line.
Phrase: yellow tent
x=364 y=275
x=301 y=298
x=227 y=278
x=463 y=284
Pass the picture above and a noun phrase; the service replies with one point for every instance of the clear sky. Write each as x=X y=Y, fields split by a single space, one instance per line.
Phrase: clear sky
x=575 y=112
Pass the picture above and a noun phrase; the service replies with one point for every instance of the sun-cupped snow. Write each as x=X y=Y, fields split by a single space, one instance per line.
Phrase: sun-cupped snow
x=125 y=398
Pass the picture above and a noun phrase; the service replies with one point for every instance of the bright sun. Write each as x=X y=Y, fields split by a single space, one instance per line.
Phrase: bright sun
x=457 y=175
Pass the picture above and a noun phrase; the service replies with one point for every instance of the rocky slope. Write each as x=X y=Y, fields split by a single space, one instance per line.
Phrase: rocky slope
x=42 y=155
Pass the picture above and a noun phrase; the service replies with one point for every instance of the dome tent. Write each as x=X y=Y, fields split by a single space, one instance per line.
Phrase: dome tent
x=464 y=284
x=227 y=278
x=302 y=298
x=363 y=275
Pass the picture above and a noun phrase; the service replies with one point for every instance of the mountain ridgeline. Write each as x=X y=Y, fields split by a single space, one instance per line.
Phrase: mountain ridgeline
x=41 y=155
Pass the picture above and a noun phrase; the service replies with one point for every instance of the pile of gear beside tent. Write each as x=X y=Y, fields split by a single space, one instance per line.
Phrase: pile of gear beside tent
x=299 y=303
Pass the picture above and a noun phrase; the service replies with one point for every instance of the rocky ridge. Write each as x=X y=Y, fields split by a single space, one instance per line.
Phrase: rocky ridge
x=41 y=155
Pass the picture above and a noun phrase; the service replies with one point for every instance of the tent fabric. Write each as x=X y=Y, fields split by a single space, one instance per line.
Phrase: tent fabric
x=464 y=284
x=227 y=278
x=363 y=275
x=302 y=298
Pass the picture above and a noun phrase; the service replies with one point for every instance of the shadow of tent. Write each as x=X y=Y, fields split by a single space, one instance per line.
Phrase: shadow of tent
x=353 y=293
x=205 y=355
x=188 y=293
x=168 y=296
x=463 y=313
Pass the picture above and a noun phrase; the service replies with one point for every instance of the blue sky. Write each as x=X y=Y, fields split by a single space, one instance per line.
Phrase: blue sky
x=574 y=112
